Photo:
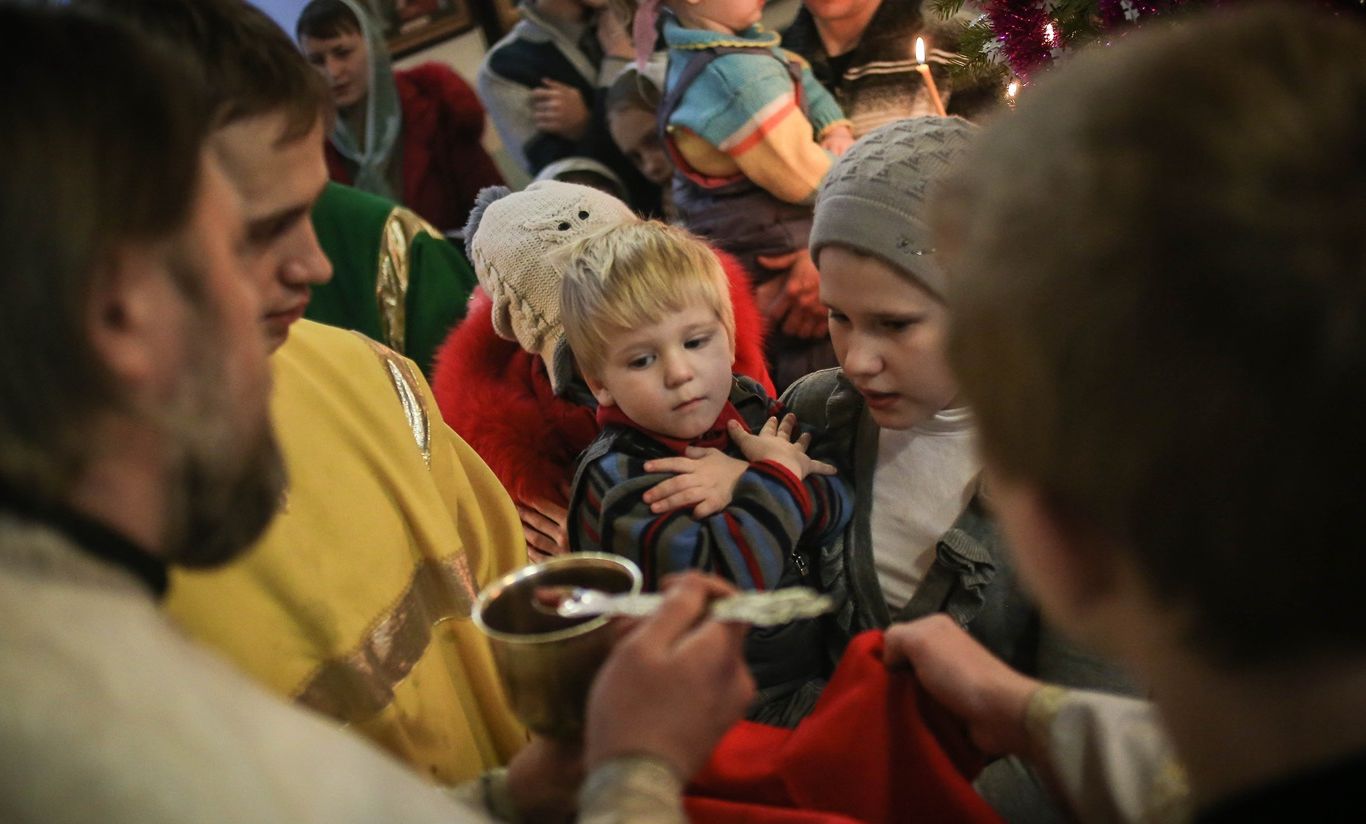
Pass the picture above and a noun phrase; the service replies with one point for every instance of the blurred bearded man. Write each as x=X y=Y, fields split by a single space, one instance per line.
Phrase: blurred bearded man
x=134 y=438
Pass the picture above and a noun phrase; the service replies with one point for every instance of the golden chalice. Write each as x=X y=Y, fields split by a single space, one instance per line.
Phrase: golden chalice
x=547 y=661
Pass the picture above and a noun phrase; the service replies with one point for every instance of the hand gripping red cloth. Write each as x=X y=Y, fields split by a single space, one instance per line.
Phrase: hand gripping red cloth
x=876 y=748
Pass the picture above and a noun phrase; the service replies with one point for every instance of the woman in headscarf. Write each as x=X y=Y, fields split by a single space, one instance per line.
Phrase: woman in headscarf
x=412 y=136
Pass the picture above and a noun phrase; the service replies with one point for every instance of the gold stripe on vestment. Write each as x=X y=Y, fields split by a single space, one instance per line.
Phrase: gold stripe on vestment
x=357 y=686
x=408 y=387
x=393 y=273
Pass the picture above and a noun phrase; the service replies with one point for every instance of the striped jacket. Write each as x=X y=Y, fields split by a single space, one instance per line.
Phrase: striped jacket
x=764 y=539
x=768 y=537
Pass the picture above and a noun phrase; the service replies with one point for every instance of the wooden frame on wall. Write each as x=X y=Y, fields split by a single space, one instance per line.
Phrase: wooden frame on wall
x=410 y=25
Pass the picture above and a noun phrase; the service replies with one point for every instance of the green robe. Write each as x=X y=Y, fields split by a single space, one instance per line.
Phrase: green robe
x=395 y=278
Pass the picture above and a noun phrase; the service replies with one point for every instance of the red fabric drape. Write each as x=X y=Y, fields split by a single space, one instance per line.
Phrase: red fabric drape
x=876 y=748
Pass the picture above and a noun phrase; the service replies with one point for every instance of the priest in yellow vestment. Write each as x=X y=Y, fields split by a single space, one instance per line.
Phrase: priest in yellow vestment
x=357 y=600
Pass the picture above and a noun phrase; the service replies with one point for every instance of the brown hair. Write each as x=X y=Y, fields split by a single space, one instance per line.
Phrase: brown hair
x=323 y=19
x=632 y=90
x=101 y=134
x=1159 y=296
x=249 y=64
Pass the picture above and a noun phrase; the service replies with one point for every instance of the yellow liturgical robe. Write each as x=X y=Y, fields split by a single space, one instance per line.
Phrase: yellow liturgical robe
x=356 y=602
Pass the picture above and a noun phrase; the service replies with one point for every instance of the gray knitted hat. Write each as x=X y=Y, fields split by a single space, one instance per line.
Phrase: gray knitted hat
x=875 y=197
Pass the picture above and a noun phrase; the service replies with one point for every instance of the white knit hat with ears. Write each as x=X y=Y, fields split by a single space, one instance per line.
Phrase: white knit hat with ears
x=511 y=238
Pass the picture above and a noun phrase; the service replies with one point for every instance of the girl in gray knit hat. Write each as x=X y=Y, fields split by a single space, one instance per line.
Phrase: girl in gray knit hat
x=921 y=540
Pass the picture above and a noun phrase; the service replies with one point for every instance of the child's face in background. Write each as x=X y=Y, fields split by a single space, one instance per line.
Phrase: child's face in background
x=890 y=336
x=636 y=133
x=724 y=15
x=672 y=377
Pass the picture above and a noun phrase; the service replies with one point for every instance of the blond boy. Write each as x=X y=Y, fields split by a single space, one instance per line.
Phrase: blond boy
x=676 y=480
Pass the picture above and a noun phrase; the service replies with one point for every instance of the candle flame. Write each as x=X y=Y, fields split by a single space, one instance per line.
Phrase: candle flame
x=920 y=50
x=1048 y=35
x=1013 y=89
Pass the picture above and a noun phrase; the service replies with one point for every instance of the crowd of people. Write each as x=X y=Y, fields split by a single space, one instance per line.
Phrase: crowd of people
x=1056 y=405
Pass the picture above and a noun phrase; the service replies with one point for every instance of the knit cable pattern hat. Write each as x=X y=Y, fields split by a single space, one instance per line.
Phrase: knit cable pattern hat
x=510 y=239
x=875 y=197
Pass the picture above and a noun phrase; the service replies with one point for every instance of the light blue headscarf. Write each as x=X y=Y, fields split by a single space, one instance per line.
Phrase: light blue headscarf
x=383 y=117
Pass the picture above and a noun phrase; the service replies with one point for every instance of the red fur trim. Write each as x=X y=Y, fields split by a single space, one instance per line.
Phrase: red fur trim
x=497 y=397
x=749 y=324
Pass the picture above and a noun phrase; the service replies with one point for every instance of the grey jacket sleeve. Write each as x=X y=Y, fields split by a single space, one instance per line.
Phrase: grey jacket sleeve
x=509 y=106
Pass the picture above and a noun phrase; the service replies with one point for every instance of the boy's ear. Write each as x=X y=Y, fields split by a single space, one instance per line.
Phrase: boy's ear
x=600 y=392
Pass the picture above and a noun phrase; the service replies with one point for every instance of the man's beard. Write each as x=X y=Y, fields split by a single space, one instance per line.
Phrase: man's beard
x=224 y=505
x=225 y=474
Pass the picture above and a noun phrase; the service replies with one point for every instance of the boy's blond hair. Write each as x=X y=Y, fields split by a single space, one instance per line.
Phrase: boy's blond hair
x=626 y=277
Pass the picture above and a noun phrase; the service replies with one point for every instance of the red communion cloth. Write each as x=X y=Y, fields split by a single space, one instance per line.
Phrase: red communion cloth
x=876 y=748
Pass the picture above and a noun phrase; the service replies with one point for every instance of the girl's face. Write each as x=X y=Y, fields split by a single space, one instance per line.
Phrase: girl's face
x=890 y=336
x=344 y=62
x=636 y=133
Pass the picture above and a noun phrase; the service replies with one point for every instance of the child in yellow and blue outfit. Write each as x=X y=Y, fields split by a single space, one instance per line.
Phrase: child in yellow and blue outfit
x=749 y=129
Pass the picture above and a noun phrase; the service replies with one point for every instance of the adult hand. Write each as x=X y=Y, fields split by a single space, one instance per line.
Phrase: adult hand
x=673 y=684
x=773 y=442
x=543 y=780
x=793 y=300
x=705 y=480
x=559 y=109
x=613 y=36
x=970 y=682
x=545 y=524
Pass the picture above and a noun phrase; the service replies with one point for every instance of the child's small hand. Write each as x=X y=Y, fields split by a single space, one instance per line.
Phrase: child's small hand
x=837 y=141
x=705 y=480
x=774 y=443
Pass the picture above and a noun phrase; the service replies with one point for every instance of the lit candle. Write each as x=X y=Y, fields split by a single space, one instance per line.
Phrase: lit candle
x=1011 y=92
x=929 y=78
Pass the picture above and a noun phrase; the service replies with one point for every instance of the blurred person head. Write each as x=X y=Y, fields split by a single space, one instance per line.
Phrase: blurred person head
x=332 y=38
x=346 y=46
x=633 y=121
x=271 y=112
x=128 y=331
x=1160 y=320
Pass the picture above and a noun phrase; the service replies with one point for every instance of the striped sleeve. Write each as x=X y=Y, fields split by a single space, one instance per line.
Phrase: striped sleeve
x=825 y=113
x=745 y=106
x=785 y=161
x=832 y=507
x=747 y=543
